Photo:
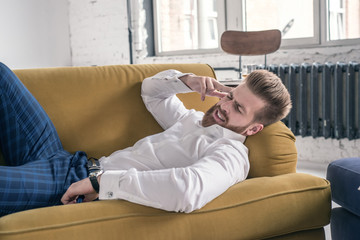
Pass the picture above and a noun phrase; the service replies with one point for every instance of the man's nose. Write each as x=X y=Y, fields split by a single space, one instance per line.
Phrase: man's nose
x=225 y=106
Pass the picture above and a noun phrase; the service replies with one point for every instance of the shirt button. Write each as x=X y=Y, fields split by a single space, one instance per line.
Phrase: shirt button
x=109 y=194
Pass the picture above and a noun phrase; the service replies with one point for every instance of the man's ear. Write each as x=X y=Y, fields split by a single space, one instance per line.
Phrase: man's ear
x=254 y=128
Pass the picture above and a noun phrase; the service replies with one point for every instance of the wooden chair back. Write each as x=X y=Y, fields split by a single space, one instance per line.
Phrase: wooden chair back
x=251 y=43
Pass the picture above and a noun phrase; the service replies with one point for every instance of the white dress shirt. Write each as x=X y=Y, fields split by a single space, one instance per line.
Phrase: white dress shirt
x=182 y=168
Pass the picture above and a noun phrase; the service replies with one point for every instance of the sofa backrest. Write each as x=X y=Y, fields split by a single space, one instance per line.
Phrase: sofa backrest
x=99 y=110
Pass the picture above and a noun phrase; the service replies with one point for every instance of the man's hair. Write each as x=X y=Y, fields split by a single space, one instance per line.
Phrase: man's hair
x=270 y=89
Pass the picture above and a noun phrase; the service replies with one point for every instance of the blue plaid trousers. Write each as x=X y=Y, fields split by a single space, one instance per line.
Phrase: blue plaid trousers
x=38 y=170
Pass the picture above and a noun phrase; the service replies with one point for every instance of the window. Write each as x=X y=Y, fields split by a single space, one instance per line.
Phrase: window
x=296 y=19
x=195 y=26
x=343 y=19
x=293 y=17
x=188 y=25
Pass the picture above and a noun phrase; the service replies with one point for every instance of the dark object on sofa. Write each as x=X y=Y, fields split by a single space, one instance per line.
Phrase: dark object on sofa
x=344 y=176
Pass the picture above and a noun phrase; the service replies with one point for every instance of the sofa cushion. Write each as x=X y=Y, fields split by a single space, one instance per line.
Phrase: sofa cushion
x=272 y=151
x=258 y=208
x=344 y=176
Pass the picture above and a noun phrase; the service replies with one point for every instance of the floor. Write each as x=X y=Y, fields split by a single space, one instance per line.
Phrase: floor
x=316 y=169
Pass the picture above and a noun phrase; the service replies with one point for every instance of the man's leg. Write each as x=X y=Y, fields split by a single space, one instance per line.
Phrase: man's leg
x=39 y=183
x=26 y=132
x=39 y=170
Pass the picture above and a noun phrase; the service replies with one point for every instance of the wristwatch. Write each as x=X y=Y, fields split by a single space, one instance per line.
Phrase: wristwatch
x=94 y=172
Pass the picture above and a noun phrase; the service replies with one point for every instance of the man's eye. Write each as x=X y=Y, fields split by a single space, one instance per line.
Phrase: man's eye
x=238 y=108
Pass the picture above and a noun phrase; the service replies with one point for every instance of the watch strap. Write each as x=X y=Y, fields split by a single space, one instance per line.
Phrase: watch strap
x=94 y=183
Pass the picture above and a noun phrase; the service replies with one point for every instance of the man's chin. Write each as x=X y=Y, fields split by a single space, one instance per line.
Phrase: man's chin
x=207 y=123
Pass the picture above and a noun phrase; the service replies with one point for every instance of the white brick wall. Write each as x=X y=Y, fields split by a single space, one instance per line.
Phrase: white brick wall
x=98 y=32
x=326 y=150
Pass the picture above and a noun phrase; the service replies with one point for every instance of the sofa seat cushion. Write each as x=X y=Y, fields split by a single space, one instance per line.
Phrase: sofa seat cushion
x=257 y=208
x=344 y=176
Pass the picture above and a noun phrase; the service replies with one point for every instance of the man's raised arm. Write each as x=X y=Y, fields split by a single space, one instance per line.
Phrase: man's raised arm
x=159 y=93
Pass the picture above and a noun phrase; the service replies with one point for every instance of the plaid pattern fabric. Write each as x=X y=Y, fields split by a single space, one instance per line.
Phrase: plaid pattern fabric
x=39 y=170
x=26 y=131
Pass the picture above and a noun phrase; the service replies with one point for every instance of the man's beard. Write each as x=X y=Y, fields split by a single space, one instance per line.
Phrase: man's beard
x=208 y=120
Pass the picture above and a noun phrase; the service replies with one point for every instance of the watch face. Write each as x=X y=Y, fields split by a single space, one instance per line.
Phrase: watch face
x=95 y=173
x=93 y=163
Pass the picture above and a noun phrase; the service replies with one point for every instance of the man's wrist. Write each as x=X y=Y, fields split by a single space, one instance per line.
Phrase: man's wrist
x=95 y=181
x=185 y=77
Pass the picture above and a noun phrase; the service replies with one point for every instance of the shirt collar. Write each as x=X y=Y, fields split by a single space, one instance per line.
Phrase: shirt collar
x=233 y=135
x=224 y=132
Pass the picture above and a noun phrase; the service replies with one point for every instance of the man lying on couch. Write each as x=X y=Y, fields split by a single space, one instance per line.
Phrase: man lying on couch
x=193 y=161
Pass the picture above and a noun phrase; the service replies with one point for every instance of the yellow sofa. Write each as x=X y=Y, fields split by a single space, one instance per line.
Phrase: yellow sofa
x=99 y=110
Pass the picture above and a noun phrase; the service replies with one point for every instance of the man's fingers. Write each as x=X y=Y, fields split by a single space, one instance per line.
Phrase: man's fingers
x=222 y=87
x=70 y=196
x=81 y=189
x=218 y=94
x=209 y=87
x=205 y=86
x=216 y=89
x=67 y=200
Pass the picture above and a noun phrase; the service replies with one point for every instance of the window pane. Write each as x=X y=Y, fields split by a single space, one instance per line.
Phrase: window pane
x=343 y=19
x=187 y=25
x=294 y=18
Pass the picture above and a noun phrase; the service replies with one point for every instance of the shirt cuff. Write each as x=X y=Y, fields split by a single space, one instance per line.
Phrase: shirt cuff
x=109 y=183
x=181 y=87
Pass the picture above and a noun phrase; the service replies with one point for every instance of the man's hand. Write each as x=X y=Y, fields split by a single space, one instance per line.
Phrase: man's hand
x=77 y=189
x=206 y=86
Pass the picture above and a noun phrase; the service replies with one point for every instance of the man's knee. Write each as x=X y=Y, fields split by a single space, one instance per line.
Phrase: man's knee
x=3 y=67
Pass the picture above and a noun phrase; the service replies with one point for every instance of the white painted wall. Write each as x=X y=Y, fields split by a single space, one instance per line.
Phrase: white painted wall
x=34 y=33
